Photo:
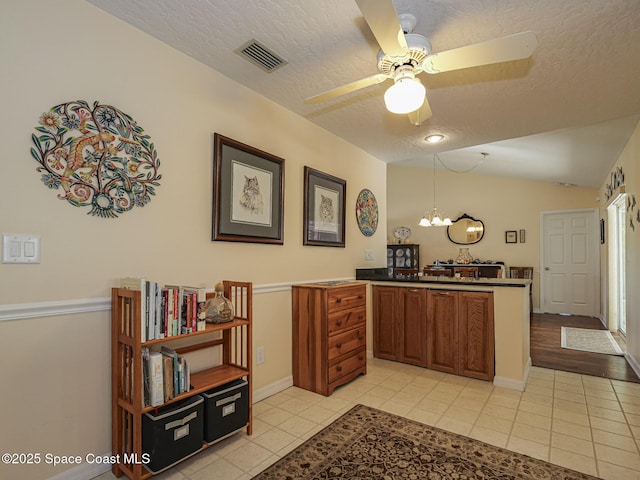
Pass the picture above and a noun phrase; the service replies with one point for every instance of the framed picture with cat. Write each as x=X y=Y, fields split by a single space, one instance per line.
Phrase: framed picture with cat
x=324 y=209
x=248 y=193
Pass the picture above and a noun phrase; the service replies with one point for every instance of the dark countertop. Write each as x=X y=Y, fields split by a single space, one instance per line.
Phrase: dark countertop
x=381 y=275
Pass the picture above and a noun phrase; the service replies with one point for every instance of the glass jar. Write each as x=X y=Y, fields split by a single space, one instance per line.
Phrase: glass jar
x=464 y=257
x=219 y=309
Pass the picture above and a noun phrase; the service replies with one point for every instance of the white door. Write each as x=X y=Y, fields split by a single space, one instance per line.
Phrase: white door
x=570 y=266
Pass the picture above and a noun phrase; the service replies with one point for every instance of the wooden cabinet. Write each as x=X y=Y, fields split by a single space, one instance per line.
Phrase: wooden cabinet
x=233 y=338
x=461 y=333
x=403 y=256
x=400 y=324
x=329 y=334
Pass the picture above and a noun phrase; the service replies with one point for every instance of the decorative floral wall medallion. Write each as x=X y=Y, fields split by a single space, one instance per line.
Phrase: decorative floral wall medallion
x=98 y=156
x=367 y=212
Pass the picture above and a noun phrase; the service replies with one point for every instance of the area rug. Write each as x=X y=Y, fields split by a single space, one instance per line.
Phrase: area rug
x=366 y=443
x=589 y=340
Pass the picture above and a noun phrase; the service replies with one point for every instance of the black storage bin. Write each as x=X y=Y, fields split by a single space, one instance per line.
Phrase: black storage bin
x=226 y=410
x=173 y=433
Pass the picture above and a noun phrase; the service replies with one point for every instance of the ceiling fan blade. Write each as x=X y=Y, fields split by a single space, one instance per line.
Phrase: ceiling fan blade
x=422 y=114
x=503 y=49
x=382 y=18
x=348 y=88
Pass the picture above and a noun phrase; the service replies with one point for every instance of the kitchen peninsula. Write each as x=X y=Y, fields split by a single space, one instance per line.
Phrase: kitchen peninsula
x=511 y=318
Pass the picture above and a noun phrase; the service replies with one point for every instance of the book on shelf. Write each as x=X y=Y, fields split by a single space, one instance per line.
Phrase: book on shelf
x=170 y=310
x=146 y=390
x=167 y=365
x=156 y=388
x=138 y=283
x=198 y=312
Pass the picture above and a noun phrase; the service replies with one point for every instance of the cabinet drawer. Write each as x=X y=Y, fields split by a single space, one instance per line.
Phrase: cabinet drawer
x=345 y=319
x=347 y=365
x=346 y=342
x=343 y=298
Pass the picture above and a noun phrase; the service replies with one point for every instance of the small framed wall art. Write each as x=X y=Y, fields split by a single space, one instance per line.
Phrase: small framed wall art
x=248 y=193
x=522 y=236
x=324 y=209
x=511 y=236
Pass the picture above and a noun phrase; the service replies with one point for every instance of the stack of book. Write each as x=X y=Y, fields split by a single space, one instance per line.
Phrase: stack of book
x=169 y=310
x=165 y=375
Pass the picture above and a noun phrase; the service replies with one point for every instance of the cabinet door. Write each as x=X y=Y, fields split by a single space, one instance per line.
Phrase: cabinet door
x=385 y=311
x=442 y=330
x=476 y=338
x=413 y=326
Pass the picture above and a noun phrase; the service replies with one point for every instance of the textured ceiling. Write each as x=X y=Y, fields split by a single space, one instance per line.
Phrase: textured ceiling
x=562 y=115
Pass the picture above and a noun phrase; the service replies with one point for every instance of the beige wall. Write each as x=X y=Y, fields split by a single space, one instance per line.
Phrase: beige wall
x=501 y=203
x=629 y=161
x=56 y=368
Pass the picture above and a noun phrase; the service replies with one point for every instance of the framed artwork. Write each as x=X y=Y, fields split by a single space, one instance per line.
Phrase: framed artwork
x=367 y=212
x=511 y=236
x=248 y=193
x=522 y=236
x=324 y=209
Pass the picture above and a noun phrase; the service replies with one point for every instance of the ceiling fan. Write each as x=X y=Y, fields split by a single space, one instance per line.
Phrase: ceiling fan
x=404 y=55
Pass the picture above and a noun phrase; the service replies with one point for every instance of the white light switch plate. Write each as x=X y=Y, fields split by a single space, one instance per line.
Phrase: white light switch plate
x=368 y=254
x=20 y=248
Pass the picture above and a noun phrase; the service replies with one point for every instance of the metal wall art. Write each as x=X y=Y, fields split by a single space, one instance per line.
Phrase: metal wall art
x=98 y=155
x=367 y=212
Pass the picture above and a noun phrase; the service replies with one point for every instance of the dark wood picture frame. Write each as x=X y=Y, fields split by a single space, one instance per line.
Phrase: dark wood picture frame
x=324 y=209
x=248 y=193
x=511 y=236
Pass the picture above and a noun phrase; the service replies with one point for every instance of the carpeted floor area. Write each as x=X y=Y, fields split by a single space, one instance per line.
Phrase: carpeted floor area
x=366 y=443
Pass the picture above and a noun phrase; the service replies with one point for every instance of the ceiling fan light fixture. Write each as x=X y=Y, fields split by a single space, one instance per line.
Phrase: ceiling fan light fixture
x=406 y=95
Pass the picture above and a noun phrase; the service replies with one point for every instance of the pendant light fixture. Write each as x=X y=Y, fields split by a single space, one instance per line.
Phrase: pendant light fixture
x=435 y=219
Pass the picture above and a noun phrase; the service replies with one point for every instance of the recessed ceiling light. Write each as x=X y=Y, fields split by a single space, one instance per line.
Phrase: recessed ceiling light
x=435 y=138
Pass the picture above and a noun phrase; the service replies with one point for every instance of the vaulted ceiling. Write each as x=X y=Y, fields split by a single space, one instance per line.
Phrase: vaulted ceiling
x=562 y=115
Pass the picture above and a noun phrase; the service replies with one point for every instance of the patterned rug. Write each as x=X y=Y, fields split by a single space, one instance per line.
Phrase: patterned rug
x=366 y=443
x=590 y=340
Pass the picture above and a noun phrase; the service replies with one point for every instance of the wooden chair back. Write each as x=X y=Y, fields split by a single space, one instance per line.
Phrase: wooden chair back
x=467 y=272
x=436 y=272
x=520 y=272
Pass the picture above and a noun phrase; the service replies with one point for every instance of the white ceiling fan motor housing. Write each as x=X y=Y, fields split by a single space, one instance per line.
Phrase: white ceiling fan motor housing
x=419 y=48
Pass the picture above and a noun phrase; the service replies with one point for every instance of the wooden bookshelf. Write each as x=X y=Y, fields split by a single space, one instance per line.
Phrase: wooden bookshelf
x=127 y=369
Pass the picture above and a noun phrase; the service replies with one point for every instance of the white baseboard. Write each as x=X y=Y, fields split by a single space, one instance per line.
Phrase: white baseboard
x=84 y=471
x=635 y=366
x=512 y=383
x=272 y=389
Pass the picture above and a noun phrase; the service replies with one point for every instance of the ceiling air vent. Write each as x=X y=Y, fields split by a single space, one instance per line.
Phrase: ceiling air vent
x=261 y=56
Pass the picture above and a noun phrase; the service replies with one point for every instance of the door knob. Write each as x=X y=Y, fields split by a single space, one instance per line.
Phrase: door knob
x=547 y=268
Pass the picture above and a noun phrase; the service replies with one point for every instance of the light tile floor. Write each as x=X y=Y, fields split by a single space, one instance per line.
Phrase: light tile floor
x=586 y=423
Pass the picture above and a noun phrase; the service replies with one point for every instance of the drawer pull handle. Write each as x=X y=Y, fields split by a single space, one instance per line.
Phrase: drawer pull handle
x=338 y=345
x=413 y=290
x=338 y=300
x=360 y=357
x=339 y=368
x=360 y=297
x=339 y=323
x=360 y=317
